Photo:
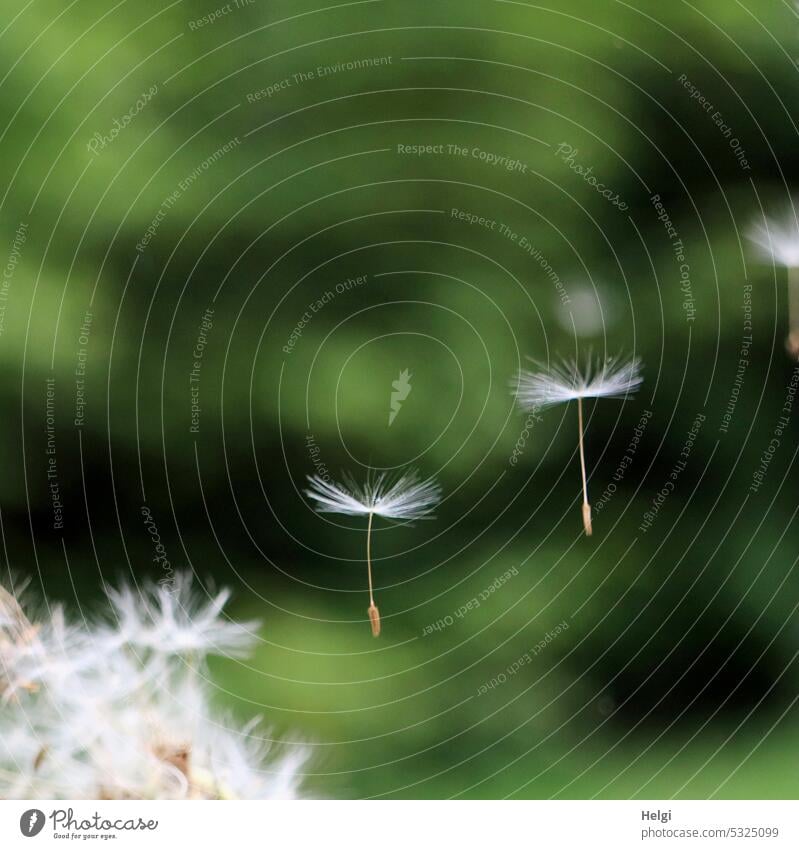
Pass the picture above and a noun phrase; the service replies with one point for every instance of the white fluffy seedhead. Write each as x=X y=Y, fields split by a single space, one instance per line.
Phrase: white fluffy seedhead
x=777 y=240
x=404 y=497
x=123 y=710
x=36 y=656
x=568 y=381
x=170 y=618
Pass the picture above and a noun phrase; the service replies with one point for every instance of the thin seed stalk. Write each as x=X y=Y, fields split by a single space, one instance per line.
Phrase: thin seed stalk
x=374 y=613
x=586 y=505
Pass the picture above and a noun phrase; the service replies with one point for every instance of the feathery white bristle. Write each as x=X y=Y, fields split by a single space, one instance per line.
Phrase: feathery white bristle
x=612 y=378
x=404 y=497
x=778 y=240
x=171 y=620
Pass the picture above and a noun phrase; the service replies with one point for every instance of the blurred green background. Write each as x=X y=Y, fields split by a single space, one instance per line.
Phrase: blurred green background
x=269 y=172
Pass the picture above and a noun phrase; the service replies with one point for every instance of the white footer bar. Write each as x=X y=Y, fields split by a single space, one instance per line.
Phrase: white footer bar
x=403 y=824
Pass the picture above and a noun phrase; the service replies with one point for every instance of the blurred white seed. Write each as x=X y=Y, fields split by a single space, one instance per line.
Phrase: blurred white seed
x=777 y=242
x=590 y=310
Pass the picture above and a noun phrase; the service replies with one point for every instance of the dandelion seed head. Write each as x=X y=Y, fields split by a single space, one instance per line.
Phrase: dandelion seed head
x=121 y=709
x=36 y=656
x=405 y=497
x=568 y=381
x=234 y=755
x=172 y=619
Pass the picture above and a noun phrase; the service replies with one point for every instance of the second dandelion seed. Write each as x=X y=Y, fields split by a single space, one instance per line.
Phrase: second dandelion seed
x=403 y=498
x=613 y=378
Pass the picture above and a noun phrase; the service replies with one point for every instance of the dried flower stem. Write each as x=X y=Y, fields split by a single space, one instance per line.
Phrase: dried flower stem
x=586 y=505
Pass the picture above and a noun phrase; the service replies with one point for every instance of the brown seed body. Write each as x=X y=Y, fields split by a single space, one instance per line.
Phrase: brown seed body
x=374 y=619
x=587 y=519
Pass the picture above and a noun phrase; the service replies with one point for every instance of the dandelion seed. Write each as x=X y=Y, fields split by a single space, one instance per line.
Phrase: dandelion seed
x=537 y=390
x=404 y=498
x=778 y=243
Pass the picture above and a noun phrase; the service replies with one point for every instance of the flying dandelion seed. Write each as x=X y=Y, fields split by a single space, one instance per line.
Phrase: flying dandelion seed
x=403 y=498
x=778 y=243
x=537 y=390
